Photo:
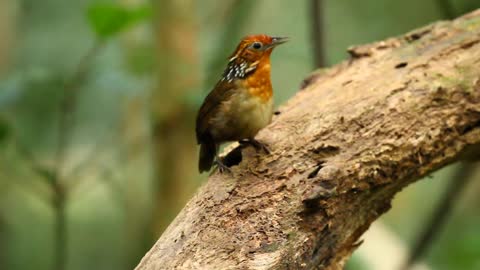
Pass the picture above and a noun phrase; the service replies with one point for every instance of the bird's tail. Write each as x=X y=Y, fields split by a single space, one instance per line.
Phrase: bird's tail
x=207 y=155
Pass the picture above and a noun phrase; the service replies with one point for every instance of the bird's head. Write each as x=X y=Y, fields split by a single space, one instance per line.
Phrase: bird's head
x=251 y=55
x=256 y=47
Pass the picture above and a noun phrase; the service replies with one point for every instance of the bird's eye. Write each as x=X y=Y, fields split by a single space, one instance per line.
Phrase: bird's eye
x=257 y=45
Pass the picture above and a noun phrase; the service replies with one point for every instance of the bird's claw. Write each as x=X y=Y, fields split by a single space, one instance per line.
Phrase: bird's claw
x=258 y=145
x=222 y=167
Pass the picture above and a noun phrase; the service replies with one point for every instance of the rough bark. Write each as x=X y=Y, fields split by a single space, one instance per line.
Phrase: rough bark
x=341 y=148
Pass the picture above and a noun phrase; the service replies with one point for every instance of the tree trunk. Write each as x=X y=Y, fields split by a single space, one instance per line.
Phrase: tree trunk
x=173 y=133
x=357 y=134
x=8 y=22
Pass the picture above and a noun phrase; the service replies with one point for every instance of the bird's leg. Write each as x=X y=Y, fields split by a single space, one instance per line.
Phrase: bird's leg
x=258 y=145
x=221 y=166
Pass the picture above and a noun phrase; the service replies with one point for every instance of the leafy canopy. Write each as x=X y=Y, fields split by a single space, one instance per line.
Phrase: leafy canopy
x=109 y=19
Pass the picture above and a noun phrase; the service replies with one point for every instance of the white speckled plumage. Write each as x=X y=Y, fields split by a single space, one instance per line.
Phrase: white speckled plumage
x=237 y=71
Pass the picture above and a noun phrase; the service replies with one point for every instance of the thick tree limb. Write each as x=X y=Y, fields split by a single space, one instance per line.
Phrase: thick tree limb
x=341 y=148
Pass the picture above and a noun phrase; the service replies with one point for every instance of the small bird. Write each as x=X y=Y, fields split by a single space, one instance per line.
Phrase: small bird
x=241 y=102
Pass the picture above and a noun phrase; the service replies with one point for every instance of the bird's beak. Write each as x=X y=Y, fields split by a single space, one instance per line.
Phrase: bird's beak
x=278 y=40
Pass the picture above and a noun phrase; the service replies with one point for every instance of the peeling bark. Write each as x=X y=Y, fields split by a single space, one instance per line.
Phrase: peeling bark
x=357 y=134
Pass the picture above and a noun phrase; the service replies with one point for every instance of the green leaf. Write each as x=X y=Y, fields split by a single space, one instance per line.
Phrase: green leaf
x=109 y=19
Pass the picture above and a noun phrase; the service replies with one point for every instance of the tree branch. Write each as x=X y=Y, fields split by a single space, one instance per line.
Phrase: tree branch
x=341 y=149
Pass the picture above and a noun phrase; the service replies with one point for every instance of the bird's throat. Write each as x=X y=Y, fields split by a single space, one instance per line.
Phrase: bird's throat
x=259 y=83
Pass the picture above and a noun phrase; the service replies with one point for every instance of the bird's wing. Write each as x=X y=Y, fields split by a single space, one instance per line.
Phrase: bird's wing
x=222 y=91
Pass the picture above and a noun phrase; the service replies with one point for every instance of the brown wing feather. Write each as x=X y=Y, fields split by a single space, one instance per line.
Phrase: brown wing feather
x=222 y=91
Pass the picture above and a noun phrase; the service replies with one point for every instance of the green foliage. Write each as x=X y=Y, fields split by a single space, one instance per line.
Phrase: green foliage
x=356 y=263
x=109 y=19
x=458 y=246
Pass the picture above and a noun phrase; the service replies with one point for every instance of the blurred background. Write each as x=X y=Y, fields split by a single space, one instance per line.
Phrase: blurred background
x=97 y=107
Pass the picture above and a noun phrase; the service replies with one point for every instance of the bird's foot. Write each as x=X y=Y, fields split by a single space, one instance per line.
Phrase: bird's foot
x=222 y=167
x=258 y=145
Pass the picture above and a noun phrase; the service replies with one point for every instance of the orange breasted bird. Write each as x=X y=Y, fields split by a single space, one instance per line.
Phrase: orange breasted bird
x=241 y=102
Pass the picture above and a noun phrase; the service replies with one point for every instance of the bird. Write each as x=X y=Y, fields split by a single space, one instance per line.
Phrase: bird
x=240 y=104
